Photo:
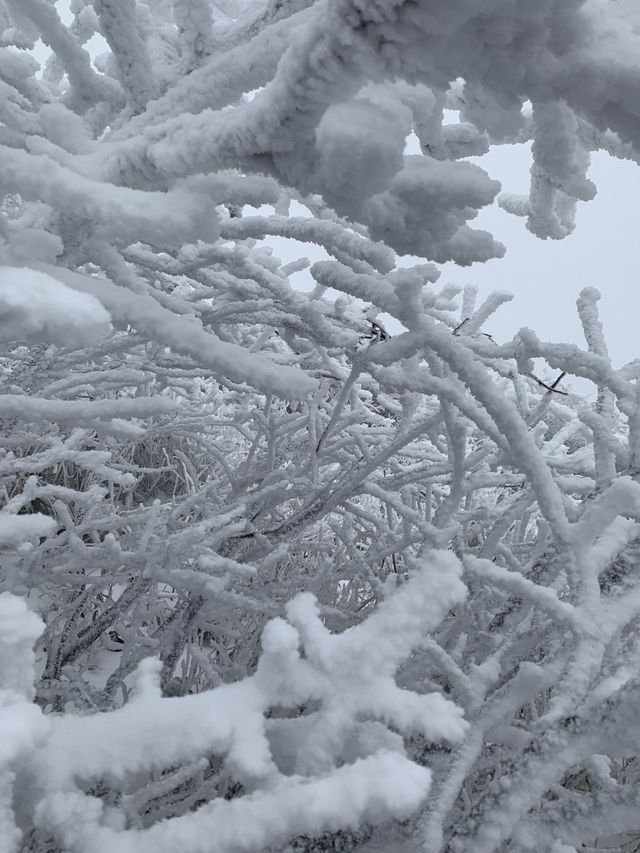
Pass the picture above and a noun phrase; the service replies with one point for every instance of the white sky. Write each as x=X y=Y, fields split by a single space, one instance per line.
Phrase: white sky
x=546 y=276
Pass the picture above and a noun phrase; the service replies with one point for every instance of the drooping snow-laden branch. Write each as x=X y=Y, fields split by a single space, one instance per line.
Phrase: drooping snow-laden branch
x=287 y=764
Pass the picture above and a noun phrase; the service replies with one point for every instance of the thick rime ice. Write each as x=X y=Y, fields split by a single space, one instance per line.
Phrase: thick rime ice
x=271 y=579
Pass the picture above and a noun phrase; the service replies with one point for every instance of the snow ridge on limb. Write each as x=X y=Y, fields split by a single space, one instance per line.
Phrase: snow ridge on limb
x=162 y=219
x=37 y=307
x=151 y=732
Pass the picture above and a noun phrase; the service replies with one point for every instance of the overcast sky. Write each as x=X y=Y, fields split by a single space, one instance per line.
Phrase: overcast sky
x=546 y=276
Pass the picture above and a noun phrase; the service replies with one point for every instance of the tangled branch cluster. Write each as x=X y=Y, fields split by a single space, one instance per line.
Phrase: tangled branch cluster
x=194 y=445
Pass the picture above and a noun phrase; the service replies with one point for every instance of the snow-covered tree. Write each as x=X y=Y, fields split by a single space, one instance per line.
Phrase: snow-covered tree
x=271 y=578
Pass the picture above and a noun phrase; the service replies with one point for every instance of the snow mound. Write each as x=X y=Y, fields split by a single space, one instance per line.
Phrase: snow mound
x=35 y=308
x=15 y=529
